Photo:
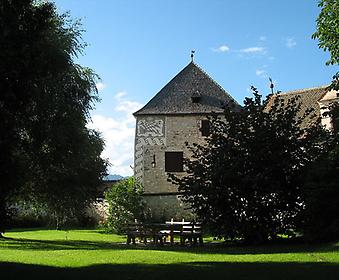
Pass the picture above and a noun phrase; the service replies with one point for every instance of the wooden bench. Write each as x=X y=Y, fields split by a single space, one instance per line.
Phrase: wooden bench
x=190 y=231
x=186 y=231
x=144 y=231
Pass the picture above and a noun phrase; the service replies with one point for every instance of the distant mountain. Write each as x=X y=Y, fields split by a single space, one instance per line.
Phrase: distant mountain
x=113 y=177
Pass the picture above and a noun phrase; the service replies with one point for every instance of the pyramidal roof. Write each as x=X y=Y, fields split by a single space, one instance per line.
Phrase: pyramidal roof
x=176 y=96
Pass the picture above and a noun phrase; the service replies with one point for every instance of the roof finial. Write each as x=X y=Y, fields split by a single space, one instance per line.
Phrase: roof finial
x=271 y=85
x=192 y=55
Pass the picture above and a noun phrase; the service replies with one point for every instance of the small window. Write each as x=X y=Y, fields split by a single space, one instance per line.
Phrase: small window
x=174 y=161
x=205 y=128
x=196 y=99
x=335 y=124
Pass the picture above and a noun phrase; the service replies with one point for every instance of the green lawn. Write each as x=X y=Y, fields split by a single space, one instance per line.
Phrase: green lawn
x=92 y=254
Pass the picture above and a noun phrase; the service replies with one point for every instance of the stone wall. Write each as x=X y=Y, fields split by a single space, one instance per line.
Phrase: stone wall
x=156 y=135
x=166 y=207
x=324 y=103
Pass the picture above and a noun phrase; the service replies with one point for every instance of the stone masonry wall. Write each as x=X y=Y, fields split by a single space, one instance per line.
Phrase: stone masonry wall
x=171 y=135
x=156 y=135
x=166 y=207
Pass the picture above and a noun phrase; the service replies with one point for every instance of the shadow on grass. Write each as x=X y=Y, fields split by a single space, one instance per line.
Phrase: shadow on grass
x=204 y=270
x=33 y=244
x=24 y=229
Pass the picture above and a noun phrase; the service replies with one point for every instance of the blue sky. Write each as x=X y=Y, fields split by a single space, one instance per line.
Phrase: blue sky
x=137 y=46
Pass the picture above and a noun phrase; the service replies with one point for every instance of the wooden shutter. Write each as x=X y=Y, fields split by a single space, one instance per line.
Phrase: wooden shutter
x=174 y=161
x=205 y=127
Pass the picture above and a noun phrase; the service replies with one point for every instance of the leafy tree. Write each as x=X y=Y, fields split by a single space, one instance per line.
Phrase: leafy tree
x=47 y=152
x=328 y=29
x=245 y=181
x=327 y=34
x=320 y=221
x=125 y=204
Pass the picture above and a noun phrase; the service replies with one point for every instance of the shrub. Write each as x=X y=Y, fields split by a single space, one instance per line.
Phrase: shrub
x=125 y=204
x=320 y=220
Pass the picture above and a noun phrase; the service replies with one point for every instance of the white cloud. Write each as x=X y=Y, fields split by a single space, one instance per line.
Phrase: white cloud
x=100 y=86
x=261 y=73
x=222 y=48
x=128 y=107
x=120 y=95
x=253 y=50
x=118 y=133
x=290 y=42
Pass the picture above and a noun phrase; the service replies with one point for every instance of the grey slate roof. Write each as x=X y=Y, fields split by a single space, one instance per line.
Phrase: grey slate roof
x=308 y=99
x=176 y=96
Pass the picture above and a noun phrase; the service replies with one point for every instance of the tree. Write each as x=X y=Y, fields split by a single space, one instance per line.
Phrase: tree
x=327 y=33
x=319 y=220
x=47 y=151
x=245 y=181
x=327 y=29
x=125 y=203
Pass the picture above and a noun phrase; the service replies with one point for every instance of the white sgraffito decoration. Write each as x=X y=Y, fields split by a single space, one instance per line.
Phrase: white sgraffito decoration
x=150 y=128
x=149 y=132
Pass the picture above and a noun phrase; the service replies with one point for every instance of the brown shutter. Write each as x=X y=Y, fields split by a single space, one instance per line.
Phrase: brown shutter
x=205 y=127
x=174 y=161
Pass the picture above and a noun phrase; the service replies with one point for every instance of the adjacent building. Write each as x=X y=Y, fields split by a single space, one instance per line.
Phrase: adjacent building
x=317 y=99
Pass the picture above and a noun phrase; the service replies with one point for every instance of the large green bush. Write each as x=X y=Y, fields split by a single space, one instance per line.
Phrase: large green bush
x=245 y=180
x=320 y=219
x=125 y=204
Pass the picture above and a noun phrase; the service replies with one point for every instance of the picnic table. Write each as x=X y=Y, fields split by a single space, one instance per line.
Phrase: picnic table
x=159 y=233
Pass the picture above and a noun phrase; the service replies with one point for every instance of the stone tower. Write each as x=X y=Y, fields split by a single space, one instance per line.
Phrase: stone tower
x=176 y=114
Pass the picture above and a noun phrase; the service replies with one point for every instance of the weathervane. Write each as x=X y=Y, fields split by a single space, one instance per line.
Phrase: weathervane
x=192 y=55
x=271 y=85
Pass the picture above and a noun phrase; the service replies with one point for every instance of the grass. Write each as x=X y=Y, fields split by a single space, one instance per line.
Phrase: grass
x=92 y=254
